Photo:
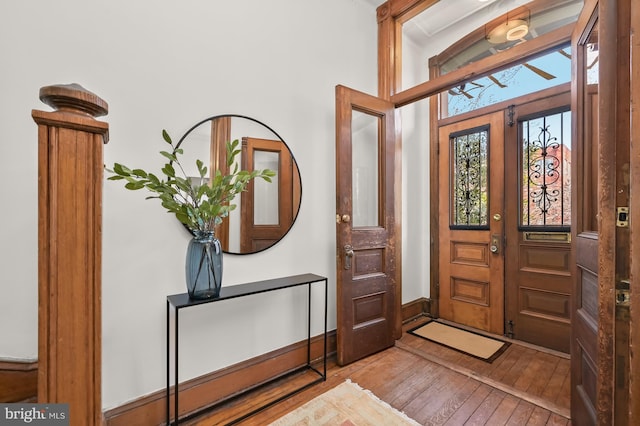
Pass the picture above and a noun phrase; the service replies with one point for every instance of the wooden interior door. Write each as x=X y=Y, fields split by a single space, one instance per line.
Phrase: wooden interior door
x=471 y=229
x=586 y=313
x=368 y=292
x=267 y=209
x=538 y=222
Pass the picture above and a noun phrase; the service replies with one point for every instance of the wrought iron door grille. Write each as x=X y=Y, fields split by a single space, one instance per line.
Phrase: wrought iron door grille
x=546 y=172
x=470 y=178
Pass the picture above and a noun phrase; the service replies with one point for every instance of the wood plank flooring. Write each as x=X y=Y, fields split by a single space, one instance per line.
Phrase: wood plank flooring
x=438 y=386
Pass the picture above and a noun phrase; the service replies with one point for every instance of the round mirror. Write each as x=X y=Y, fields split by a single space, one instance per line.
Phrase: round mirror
x=265 y=211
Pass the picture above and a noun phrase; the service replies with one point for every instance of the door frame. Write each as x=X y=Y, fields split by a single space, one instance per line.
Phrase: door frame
x=391 y=15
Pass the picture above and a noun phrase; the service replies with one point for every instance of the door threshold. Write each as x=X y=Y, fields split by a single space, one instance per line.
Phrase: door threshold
x=507 y=339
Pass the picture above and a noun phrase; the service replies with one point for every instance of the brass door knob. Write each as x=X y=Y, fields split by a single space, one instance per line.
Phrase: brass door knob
x=345 y=218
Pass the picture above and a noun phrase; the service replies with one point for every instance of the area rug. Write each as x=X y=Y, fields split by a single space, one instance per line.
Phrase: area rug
x=476 y=345
x=345 y=405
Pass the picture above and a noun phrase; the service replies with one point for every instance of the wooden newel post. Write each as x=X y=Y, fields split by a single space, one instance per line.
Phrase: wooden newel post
x=70 y=173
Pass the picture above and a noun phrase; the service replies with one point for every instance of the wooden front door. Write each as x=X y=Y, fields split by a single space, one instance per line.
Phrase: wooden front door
x=471 y=228
x=538 y=222
x=505 y=252
x=367 y=255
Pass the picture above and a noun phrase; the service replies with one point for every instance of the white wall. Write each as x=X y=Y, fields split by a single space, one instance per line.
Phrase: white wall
x=415 y=179
x=169 y=64
x=416 y=175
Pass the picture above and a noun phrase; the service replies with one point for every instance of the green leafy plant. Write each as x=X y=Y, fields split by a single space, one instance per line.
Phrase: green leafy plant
x=198 y=205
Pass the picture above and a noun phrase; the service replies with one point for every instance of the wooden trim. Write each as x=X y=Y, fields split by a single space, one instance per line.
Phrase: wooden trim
x=517 y=54
x=501 y=106
x=220 y=135
x=389 y=51
x=415 y=309
x=403 y=10
x=211 y=388
x=634 y=208
x=607 y=137
x=434 y=195
x=389 y=80
x=18 y=381
x=221 y=385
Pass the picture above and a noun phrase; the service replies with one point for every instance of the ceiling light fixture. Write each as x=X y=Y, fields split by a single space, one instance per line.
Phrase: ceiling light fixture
x=511 y=30
x=518 y=32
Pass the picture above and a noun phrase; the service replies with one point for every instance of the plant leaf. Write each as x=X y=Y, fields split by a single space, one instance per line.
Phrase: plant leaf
x=121 y=169
x=166 y=137
x=169 y=170
x=134 y=185
x=169 y=155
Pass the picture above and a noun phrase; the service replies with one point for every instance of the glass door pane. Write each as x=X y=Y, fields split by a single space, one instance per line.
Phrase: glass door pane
x=546 y=171
x=265 y=201
x=470 y=178
x=365 y=176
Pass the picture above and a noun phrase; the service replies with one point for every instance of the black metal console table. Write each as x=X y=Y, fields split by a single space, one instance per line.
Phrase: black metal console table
x=182 y=301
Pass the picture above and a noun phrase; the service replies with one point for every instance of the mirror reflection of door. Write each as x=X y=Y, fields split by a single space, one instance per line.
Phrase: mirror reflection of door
x=267 y=209
x=207 y=141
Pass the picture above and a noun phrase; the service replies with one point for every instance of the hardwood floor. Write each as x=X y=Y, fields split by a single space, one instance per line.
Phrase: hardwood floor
x=437 y=386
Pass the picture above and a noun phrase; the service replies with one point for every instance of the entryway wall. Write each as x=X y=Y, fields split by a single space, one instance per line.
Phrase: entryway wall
x=154 y=74
x=414 y=121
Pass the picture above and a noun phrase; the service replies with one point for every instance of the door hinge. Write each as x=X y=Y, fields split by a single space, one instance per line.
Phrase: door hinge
x=511 y=111
x=509 y=332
